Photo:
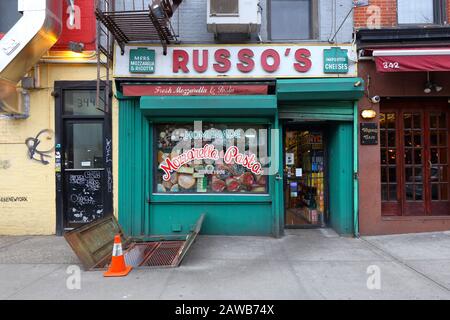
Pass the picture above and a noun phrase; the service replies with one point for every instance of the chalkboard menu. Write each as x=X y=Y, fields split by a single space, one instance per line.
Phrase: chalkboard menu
x=369 y=133
x=84 y=195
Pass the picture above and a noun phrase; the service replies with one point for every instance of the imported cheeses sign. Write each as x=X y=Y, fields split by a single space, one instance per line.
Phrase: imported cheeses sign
x=235 y=61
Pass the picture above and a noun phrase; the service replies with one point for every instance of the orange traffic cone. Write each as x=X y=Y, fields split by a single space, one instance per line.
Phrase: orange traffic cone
x=117 y=268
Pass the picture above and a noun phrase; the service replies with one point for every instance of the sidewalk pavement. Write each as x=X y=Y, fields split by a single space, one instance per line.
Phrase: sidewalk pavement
x=305 y=264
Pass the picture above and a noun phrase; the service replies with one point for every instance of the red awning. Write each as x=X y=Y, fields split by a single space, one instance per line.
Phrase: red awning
x=412 y=59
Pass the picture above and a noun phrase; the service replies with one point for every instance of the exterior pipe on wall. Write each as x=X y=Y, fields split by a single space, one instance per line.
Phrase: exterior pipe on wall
x=23 y=46
x=355 y=171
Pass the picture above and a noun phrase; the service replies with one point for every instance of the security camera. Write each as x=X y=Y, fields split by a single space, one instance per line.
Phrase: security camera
x=375 y=99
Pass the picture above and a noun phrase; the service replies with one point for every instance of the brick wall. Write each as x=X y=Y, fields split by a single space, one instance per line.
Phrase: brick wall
x=387 y=13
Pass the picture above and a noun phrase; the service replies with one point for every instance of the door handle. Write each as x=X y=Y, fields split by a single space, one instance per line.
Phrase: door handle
x=278 y=177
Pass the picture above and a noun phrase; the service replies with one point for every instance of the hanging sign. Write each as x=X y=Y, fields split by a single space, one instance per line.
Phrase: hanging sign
x=142 y=60
x=335 y=60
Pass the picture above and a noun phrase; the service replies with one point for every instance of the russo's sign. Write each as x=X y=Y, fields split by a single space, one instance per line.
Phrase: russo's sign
x=237 y=61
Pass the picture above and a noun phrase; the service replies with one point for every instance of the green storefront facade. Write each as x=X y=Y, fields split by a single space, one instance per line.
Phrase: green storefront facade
x=328 y=101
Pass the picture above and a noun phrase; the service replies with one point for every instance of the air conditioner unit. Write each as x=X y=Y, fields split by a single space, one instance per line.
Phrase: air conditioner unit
x=233 y=16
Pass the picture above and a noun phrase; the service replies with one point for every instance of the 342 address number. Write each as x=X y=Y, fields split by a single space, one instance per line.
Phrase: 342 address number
x=391 y=65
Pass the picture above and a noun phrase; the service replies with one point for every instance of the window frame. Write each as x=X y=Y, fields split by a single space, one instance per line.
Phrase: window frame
x=439 y=15
x=313 y=25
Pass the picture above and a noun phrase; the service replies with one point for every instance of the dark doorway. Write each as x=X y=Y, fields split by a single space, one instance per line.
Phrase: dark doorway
x=305 y=165
x=83 y=155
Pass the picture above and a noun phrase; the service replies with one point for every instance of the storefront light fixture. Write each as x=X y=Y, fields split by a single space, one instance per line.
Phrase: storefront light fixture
x=429 y=86
x=77 y=47
x=368 y=114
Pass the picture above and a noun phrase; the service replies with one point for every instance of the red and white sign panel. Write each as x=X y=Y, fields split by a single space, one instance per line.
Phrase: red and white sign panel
x=234 y=61
x=412 y=60
x=133 y=90
x=82 y=30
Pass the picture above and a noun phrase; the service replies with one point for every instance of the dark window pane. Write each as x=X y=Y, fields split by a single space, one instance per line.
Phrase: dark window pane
x=418 y=174
x=409 y=174
x=418 y=190
x=434 y=156
x=442 y=138
x=443 y=174
x=408 y=156
x=417 y=139
x=408 y=139
x=434 y=138
x=443 y=156
x=384 y=192
x=382 y=120
x=443 y=120
x=9 y=15
x=383 y=140
x=434 y=123
x=409 y=191
x=84 y=145
x=392 y=156
x=391 y=138
x=392 y=192
x=383 y=174
x=383 y=156
x=290 y=19
x=81 y=102
x=392 y=174
x=417 y=156
x=407 y=121
x=435 y=191
x=444 y=192
x=417 y=119
x=391 y=120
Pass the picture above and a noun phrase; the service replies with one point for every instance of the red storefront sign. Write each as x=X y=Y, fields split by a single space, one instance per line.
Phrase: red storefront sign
x=410 y=60
x=130 y=90
x=84 y=28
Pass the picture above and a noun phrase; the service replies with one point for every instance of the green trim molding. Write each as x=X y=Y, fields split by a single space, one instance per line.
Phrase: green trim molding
x=262 y=105
x=338 y=89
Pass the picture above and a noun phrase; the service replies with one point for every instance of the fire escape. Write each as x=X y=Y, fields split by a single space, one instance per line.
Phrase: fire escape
x=128 y=21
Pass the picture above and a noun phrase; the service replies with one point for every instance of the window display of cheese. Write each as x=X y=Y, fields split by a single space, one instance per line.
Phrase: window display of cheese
x=186 y=181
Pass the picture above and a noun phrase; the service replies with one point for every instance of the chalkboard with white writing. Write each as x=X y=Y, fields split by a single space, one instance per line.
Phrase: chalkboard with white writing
x=369 y=133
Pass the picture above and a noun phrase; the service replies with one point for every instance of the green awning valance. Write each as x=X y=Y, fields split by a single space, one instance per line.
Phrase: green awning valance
x=340 y=89
x=254 y=105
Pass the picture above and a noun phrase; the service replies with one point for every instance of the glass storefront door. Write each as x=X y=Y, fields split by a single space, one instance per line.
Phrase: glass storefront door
x=414 y=158
x=304 y=177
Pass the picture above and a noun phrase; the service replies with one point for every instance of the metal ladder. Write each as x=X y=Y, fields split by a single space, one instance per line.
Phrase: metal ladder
x=105 y=54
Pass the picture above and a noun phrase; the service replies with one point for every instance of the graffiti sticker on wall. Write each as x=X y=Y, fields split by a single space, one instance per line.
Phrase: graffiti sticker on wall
x=33 y=147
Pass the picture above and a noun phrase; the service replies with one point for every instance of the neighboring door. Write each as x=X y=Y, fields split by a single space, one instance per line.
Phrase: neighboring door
x=414 y=137
x=83 y=156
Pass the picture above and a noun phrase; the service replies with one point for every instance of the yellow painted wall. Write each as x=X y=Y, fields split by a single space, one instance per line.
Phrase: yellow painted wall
x=29 y=179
